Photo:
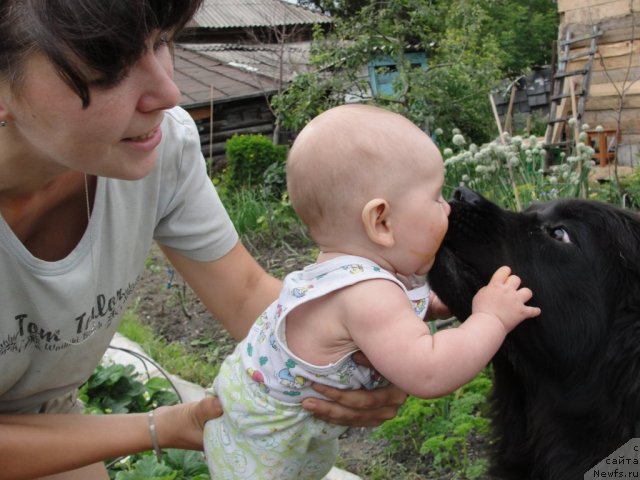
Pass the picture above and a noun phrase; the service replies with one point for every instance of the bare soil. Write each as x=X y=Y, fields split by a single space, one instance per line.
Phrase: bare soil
x=166 y=303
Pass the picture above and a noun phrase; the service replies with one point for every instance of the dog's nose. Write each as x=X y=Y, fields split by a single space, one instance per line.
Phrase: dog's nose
x=463 y=194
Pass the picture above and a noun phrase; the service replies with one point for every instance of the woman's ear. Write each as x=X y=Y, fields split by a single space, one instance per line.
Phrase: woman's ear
x=376 y=218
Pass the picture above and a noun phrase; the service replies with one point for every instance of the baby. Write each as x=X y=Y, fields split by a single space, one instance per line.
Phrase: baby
x=367 y=183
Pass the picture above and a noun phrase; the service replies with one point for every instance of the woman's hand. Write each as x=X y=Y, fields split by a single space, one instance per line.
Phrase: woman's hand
x=180 y=426
x=356 y=408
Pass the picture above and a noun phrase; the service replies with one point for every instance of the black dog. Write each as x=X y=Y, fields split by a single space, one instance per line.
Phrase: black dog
x=567 y=383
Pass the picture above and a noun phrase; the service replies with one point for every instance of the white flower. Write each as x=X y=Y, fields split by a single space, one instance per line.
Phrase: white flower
x=439 y=131
x=504 y=150
x=447 y=152
x=599 y=129
x=458 y=140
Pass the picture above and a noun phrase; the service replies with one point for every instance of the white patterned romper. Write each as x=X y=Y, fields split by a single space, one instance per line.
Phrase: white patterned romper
x=264 y=432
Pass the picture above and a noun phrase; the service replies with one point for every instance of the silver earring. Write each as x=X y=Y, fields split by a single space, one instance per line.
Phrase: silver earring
x=3 y=123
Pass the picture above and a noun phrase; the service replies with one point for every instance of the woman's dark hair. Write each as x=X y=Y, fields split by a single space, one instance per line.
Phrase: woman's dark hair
x=101 y=37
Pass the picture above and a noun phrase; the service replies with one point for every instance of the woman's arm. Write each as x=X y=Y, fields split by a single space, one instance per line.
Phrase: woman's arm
x=60 y=442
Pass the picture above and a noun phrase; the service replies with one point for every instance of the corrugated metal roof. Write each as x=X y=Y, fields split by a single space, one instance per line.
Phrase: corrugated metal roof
x=263 y=60
x=253 y=13
x=219 y=71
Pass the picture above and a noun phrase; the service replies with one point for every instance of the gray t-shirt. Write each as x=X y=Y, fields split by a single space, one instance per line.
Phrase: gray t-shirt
x=59 y=317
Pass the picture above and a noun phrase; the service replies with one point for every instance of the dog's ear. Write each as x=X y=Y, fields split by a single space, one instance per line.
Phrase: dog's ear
x=377 y=222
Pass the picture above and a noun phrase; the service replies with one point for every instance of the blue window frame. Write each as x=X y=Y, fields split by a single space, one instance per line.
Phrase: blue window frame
x=383 y=72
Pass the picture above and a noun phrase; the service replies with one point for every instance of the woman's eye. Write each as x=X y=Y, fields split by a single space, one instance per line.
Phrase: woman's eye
x=560 y=234
x=108 y=81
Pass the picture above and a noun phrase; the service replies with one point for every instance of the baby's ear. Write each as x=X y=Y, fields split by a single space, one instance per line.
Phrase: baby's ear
x=376 y=218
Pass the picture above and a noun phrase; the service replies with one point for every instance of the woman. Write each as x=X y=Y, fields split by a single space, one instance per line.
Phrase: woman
x=95 y=164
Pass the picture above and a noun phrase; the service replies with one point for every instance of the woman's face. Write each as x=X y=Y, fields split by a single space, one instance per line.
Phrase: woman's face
x=115 y=136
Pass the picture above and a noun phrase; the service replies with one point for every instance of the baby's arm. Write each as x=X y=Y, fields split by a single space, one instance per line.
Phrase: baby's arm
x=400 y=347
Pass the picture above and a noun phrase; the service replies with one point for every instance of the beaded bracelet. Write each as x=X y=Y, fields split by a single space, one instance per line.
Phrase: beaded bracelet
x=154 y=436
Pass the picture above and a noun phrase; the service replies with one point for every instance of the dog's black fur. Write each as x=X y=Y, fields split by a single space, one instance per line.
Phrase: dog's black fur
x=566 y=391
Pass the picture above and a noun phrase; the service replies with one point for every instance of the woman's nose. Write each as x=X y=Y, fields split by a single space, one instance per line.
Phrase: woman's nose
x=159 y=90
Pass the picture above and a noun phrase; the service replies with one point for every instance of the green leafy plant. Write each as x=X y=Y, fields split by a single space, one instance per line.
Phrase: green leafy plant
x=511 y=171
x=274 y=181
x=175 y=465
x=264 y=220
x=441 y=428
x=631 y=189
x=146 y=467
x=248 y=157
x=117 y=389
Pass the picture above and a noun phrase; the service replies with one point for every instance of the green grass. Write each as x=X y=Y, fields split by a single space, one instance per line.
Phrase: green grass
x=173 y=357
x=262 y=220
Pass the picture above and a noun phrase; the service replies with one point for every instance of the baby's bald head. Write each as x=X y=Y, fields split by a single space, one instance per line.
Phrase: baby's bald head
x=348 y=155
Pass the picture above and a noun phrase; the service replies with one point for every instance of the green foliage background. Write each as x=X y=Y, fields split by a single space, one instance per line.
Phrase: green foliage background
x=470 y=45
x=249 y=158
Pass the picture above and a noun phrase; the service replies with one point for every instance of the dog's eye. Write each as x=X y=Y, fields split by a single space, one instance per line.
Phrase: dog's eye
x=560 y=234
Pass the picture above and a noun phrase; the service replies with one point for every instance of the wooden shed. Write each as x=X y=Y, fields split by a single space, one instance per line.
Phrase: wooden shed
x=232 y=58
x=597 y=76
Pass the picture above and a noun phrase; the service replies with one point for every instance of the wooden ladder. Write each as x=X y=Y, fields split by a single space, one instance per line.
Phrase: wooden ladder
x=565 y=102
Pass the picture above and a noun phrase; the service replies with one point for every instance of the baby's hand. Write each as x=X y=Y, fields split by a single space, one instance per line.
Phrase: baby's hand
x=503 y=298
